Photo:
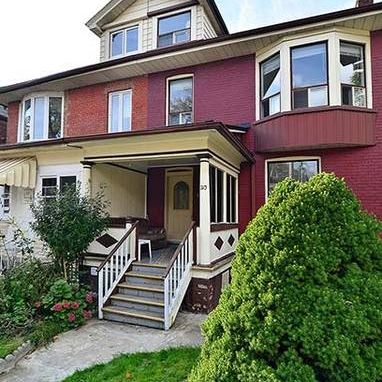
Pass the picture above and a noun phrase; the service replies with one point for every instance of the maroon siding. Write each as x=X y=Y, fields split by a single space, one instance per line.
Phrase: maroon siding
x=155 y=196
x=223 y=91
x=311 y=128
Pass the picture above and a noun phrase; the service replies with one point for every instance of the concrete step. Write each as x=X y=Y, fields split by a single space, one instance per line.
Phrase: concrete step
x=155 y=269
x=144 y=279
x=137 y=303
x=130 y=316
x=155 y=293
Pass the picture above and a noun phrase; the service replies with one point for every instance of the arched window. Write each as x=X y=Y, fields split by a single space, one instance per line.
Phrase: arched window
x=181 y=196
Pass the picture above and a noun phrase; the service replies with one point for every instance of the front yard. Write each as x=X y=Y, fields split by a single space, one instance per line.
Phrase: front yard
x=171 y=365
x=9 y=345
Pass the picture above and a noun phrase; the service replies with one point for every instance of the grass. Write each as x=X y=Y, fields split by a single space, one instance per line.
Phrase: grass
x=9 y=345
x=171 y=365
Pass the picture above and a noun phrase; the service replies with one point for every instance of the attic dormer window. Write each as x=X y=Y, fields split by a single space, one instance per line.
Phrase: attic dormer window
x=174 y=29
x=124 y=42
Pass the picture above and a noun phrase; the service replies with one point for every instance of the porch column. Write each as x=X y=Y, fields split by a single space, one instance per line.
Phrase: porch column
x=204 y=212
x=86 y=181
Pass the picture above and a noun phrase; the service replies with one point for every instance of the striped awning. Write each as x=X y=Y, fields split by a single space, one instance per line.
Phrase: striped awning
x=19 y=172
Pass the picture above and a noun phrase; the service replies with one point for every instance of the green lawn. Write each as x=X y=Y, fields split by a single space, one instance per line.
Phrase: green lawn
x=171 y=365
x=9 y=345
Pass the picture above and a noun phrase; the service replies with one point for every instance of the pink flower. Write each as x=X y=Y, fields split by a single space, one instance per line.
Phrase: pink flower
x=66 y=304
x=87 y=314
x=75 y=305
x=71 y=317
x=37 y=304
x=57 y=307
x=89 y=298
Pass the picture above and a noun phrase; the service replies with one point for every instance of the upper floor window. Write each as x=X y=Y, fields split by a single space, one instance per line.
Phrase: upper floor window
x=270 y=86
x=309 y=76
x=174 y=29
x=120 y=111
x=124 y=42
x=42 y=118
x=353 y=81
x=180 y=101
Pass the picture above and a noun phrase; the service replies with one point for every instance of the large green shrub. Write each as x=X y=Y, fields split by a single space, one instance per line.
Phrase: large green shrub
x=68 y=222
x=305 y=303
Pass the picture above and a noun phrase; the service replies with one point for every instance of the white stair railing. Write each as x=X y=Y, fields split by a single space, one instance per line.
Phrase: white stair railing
x=111 y=271
x=178 y=276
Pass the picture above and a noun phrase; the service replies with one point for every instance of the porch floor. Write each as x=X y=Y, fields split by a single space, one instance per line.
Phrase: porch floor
x=159 y=256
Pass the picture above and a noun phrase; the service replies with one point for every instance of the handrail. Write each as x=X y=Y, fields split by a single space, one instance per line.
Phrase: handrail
x=179 y=248
x=115 y=249
x=177 y=276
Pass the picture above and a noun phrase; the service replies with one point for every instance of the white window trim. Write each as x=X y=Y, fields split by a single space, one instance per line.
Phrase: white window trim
x=120 y=93
x=155 y=23
x=174 y=78
x=57 y=177
x=124 y=28
x=333 y=36
x=46 y=96
x=288 y=159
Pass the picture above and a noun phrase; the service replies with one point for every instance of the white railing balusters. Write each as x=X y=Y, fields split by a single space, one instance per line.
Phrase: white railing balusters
x=178 y=277
x=111 y=271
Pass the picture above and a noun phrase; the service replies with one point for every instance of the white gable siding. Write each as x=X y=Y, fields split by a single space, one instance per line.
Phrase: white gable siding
x=137 y=13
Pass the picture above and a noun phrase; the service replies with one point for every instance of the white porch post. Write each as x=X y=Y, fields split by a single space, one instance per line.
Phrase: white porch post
x=86 y=182
x=204 y=212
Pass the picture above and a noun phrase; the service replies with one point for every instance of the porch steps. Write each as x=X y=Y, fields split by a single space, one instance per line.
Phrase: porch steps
x=139 y=298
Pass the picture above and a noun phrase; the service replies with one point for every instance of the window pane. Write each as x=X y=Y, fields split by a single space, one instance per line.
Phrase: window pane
x=352 y=64
x=318 y=96
x=274 y=104
x=270 y=77
x=181 y=196
x=359 y=97
x=175 y=23
x=228 y=198
x=117 y=44
x=55 y=114
x=180 y=101
x=299 y=170
x=182 y=36
x=27 y=119
x=213 y=194
x=38 y=122
x=132 y=40
x=309 y=66
x=233 y=200
x=300 y=98
x=49 y=187
x=219 y=192
x=165 y=40
x=114 y=120
x=67 y=181
x=347 y=98
x=126 y=112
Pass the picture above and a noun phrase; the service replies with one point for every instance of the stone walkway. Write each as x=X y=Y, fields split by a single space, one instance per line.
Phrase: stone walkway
x=100 y=342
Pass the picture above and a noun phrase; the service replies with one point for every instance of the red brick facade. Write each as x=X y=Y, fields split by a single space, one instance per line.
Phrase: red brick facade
x=13 y=121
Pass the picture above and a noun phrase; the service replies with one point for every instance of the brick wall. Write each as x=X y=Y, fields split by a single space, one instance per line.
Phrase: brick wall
x=223 y=91
x=3 y=131
x=13 y=121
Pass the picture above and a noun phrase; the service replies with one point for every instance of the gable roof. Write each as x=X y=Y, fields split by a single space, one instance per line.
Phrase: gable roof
x=115 y=7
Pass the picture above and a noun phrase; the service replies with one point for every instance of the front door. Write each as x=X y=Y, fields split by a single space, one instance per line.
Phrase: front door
x=178 y=203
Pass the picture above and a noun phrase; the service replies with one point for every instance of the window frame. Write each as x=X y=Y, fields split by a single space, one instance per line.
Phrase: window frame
x=308 y=88
x=58 y=182
x=120 y=93
x=6 y=196
x=168 y=82
x=124 y=30
x=365 y=70
x=288 y=159
x=167 y=16
x=46 y=96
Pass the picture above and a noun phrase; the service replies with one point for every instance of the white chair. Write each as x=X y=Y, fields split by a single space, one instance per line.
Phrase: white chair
x=144 y=242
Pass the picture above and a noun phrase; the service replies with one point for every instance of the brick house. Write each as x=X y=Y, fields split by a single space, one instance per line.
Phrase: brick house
x=188 y=128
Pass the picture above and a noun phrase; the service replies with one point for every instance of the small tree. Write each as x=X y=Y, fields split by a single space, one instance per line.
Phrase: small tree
x=68 y=223
x=305 y=300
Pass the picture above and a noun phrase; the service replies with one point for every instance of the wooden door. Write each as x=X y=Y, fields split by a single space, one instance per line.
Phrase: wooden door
x=179 y=204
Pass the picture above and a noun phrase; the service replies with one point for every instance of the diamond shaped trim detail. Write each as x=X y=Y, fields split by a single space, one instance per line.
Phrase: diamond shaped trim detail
x=219 y=243
x=231 y=240
x=107 y=240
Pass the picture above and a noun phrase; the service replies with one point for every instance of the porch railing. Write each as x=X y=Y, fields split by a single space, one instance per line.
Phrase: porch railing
x=111 y=271
x=178 y=276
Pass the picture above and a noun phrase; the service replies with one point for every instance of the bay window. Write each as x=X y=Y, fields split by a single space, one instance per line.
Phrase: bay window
x=270 y=86
x=124 y=42
x=299 y=169
x=174 y=29
x=309 y=76
x=353 y=81
x=180 y=101
x=120 y=111
x=42 y=118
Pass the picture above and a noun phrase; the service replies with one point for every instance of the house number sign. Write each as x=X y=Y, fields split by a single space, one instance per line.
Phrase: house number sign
x=203 y=187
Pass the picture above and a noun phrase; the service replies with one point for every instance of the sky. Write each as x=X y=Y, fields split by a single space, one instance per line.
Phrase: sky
x=42 y=37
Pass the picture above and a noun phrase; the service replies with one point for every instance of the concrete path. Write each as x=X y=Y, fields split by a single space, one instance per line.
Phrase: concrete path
x=100 y=342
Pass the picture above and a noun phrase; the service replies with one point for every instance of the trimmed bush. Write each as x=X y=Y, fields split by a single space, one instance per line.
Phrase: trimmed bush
x=305 y=300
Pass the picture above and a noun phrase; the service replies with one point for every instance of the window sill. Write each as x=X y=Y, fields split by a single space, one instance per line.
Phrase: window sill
x=215 y=227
